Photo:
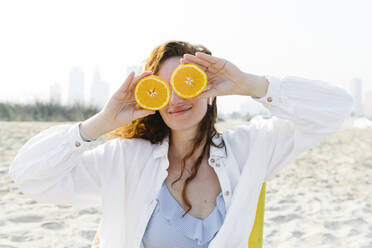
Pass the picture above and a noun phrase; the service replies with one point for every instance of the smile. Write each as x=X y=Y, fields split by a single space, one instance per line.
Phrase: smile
x=180 y=112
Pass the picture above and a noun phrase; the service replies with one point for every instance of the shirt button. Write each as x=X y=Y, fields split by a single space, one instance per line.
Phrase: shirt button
x=212 y=160
x=218 y=165
x=269 y=99
x=77 y=143
x=227 y=192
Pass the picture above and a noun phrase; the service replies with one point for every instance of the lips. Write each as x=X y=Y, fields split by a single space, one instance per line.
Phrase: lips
x=178 y=110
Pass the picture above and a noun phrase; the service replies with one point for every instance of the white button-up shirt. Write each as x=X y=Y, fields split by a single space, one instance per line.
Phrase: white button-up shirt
x=124 y=176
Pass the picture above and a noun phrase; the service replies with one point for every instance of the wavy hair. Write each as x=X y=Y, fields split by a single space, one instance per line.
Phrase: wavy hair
x=154 y=129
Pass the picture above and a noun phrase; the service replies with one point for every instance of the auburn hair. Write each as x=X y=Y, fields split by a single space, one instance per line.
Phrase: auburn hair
x=154 y=129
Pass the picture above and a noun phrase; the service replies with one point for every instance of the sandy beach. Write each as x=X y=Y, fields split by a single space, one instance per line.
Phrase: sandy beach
x=323 y=198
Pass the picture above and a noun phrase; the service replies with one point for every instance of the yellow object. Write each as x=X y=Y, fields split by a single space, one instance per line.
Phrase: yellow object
x=188 y=80
x=96 y=241
x=256 y=237
x=152 y=93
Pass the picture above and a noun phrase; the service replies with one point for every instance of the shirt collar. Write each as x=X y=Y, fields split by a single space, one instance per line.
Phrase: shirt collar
x=162 y=149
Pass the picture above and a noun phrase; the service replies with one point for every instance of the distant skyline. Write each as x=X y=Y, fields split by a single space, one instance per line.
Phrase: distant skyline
x=99 y=91
x=76 y=86
x=43 y=40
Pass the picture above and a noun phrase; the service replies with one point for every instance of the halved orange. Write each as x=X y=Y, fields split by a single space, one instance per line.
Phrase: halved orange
x=152 y=93
x=188 y=80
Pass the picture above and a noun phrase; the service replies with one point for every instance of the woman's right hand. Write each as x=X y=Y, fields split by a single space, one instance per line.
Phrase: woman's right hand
x=122 y=108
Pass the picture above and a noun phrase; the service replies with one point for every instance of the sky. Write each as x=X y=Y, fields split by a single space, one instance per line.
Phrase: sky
x=43 y=40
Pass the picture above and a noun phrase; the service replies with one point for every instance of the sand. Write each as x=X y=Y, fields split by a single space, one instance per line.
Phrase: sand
x=323 y=198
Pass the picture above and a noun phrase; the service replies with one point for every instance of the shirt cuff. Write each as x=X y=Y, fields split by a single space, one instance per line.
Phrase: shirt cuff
x=273 y=95
x=76 y=141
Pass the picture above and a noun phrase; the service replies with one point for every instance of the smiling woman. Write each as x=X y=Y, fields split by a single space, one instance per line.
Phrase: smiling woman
x=167 y=178
x=187 y=120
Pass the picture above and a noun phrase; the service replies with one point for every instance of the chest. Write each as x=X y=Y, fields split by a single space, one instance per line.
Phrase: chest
x=201 y=192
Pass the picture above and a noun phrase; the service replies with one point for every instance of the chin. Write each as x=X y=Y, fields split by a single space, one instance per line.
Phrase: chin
x=181 y=125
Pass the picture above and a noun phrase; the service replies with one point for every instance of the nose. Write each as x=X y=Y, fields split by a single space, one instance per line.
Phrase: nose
x=175 y=98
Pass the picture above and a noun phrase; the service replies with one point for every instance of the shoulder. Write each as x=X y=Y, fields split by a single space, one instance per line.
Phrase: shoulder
x=256 y=128
x=132 y=145
x=134 y=152
x=117 y=148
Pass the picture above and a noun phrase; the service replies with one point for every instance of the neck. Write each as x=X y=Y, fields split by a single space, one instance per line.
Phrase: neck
x=181 y=143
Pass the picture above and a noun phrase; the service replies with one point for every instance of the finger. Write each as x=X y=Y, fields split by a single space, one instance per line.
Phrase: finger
x=208 y=93
x=142 y=113
x=127 y=81
x=140 y=76
x=131 y=101
x=209 y=58
x=189 y=58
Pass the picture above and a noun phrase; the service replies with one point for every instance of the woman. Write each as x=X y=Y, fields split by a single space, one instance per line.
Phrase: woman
x=168 y=179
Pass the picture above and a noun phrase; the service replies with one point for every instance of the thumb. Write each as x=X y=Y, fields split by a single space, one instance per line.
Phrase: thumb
x=142 y=113
x=208 y=93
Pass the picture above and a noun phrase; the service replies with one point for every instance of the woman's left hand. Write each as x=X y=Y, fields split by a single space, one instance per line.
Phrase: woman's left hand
x=224 y=78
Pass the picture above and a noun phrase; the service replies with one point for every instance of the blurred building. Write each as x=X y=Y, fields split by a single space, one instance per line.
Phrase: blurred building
x=76 y=87
x=357 y=92
x=368 y=104
x=55 y=93
x=100 y=91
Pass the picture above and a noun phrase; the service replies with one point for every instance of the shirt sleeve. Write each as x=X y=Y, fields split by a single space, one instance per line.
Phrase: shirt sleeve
x=56 y=166
x=303 y=113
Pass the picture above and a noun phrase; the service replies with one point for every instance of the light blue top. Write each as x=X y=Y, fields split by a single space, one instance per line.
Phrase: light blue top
x=168 y=229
